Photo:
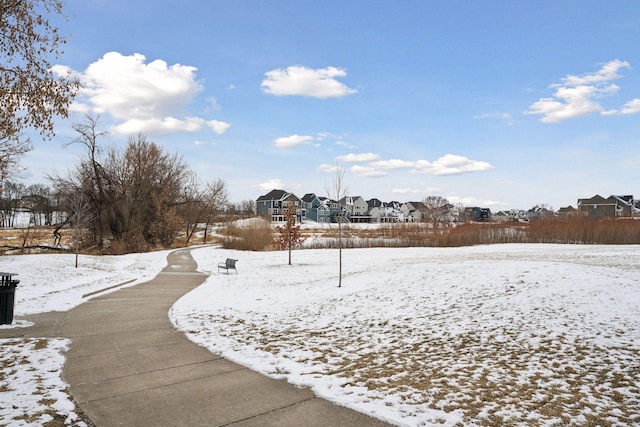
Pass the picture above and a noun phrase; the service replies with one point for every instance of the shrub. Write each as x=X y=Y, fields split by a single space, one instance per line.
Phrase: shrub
x=253 y=235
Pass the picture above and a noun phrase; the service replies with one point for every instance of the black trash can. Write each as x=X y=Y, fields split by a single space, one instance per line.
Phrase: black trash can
x=7 y=297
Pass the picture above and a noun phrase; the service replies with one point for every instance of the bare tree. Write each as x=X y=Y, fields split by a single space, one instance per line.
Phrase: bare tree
x=201 y=205
x=134 y=193
x=288 y=236
x=9 y=203
x=436 y=210
x=91 y=177
x=32 y=92
x=247 y=208
x=148 y=187
x=337 y=190
x=80 y=216
x=216 y=197
x=11 y=149
x=39 y=201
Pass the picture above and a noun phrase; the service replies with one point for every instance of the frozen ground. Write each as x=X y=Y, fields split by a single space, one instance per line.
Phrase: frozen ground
x=491 y=335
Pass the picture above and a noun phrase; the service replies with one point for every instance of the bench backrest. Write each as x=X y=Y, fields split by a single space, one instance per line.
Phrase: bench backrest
x=231 y=263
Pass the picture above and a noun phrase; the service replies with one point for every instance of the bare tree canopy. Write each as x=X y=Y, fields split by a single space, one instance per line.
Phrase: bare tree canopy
x=32 y=92
x=11 y=149
x=134 y=194
x=436 y=210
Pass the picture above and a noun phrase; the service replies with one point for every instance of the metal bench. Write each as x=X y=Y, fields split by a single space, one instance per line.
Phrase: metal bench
x=229 y=264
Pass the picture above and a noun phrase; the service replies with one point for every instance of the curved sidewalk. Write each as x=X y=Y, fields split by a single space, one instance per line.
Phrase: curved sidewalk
x=128 y=366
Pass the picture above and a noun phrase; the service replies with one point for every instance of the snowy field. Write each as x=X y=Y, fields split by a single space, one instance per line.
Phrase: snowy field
x=490 y=335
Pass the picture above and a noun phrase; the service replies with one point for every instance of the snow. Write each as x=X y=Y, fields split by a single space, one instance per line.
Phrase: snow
x=52 y=283
x=30 y=368
x=512 y=334
x=504 y=334
x=30 y=396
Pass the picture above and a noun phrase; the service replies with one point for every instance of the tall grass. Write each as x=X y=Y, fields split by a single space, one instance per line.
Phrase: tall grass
x=253 y=236
x=551 y=230
x=610 y=231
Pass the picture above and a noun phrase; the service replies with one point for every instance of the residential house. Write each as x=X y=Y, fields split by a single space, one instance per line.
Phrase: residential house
x=567 y=212
x=614 y=206
x=386 y=213
x=501 y=216
x=273 y=204
x=335 y=210
x=414 y=211
x=356 y=209
x=374 y=203
x=477 y=214
x=519 y=215
x=539 y=212
x=628 y=205
x=316 y=208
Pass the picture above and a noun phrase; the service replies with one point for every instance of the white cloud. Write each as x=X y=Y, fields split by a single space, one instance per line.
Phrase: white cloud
x=569 y=102
x=344 y=144
x=300 y=80
x=607 y=72
x=168 y=125
x=327 y=168
x=393 y=164
x=428 y=190
x=407 y=191
x=270 y=184
x=144 y=97
x=577 y=96
x=471 y=201
x=361 y=157
x=292 y=141
x=366 y=171
x=217 y=126
x=631 y=107
x=451 y=164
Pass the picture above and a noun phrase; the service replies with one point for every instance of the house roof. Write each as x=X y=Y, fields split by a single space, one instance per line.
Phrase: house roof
x=309 y=197
x=595 y=200
x=273 y=195
x=419 y=206
x=627 y=200
x=374 y=203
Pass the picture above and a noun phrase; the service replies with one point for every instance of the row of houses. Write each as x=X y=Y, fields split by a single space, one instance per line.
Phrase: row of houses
x=355 y=209
x=594 y=207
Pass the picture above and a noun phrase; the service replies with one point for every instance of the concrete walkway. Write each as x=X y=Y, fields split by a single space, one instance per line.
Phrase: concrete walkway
x=128 y=366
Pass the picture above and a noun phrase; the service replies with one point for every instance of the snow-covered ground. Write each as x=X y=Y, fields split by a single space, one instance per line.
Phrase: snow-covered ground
x=31 y=390
x=489 y=335
x=495 y=335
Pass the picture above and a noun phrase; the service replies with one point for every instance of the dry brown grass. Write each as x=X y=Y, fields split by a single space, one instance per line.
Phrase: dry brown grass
x=258 y=236
x=568 y=231
x=255 y=236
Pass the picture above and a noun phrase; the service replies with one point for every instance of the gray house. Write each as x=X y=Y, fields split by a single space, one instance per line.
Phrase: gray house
x=414 y=211
x=273 y=204
x=316 y=208
x=614 y=206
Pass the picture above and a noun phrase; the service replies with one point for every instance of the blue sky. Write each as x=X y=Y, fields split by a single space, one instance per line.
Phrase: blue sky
x=500 y=104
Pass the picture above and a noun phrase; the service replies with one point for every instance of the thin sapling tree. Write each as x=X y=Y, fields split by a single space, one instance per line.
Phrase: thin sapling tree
x=288 y=236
